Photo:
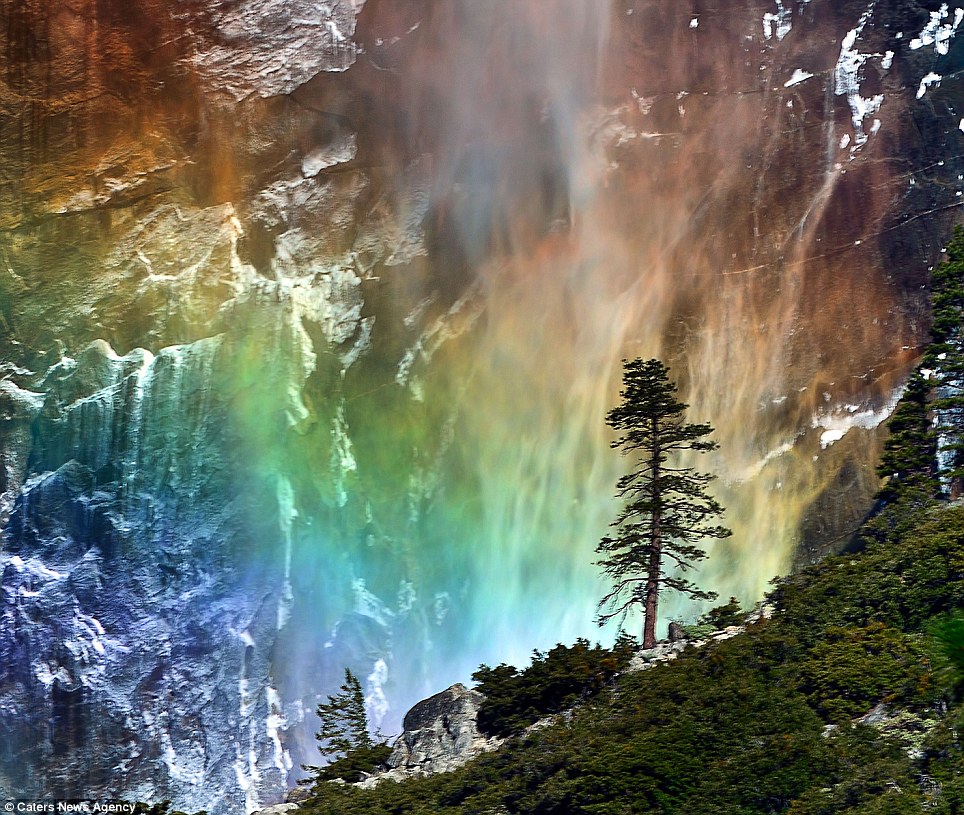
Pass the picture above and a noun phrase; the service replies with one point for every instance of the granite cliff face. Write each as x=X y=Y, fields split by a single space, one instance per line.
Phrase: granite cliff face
x=310 y=313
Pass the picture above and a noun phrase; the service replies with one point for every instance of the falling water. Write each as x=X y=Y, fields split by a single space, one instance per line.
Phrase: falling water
x=585 y=231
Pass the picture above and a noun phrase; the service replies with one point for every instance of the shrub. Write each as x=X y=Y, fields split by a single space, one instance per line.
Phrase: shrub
x=553 y=682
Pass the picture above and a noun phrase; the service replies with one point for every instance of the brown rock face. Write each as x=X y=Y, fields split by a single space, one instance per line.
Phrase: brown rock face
x=310 y=313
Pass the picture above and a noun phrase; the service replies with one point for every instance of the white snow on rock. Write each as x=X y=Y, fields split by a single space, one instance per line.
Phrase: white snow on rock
x=939 y=31
x=799 y=76
x=377 y=706
x=778 y=23
x=926 y=82
x=837 y=423
x=847 y=80
x=274 y=726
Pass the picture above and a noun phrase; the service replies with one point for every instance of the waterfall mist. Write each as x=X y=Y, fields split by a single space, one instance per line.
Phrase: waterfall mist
x=591 y=209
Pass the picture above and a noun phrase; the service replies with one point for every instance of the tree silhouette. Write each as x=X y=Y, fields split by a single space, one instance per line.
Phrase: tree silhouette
x=344 y=723
x=667 y=511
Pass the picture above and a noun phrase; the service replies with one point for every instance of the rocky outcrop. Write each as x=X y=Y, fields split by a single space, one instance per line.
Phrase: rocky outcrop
x=273 y=47
x=440 y=734
x=278 y=809
x=669 y=649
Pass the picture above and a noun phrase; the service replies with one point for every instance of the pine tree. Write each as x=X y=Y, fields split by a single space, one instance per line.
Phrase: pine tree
x=910 y=451
x=344 y=740
x=344 y=723
x=667 y=511
x=946 y=357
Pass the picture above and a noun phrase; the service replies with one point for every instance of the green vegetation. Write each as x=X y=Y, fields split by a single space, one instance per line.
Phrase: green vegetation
x=947 y=637
x=760 y=723
x=945 y=357
x=343 y=737
x=355 y=765
x=555 y=681
x=909 y=460
x=667 y=512
x=728 y=614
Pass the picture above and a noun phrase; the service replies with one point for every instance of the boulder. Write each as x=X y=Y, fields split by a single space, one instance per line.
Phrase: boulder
x=440 y=732
x=676 y=632
x=297 y=795
x=440 y=735
x=277 y=809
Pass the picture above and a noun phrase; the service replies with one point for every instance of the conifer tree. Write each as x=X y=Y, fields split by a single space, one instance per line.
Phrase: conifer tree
x=344 y=723
x=344 y=740
x=946 y=357
x=909 y=460
x=667 y=511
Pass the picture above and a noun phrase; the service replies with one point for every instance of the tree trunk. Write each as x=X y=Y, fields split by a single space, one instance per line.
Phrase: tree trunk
x=651 y=601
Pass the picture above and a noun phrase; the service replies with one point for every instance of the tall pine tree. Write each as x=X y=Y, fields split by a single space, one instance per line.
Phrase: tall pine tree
x=344 y=740
x=667 y=511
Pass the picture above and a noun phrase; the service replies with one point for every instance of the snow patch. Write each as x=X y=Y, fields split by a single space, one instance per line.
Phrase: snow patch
x=847 y=80
x=246 y=772
x=368 y=605
x=287 y=512
x=459 y=319
x=34 y=568
x=926 y=82
x=798 y=77
x=274 y=724
x=643 y=103
x=937 y=32
x=406 y=597
x=695 y=22
x=376 y=702
x=342 y=454
x=779 y=23
x=757 y=467
x=190 y=770
x=841 y=420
